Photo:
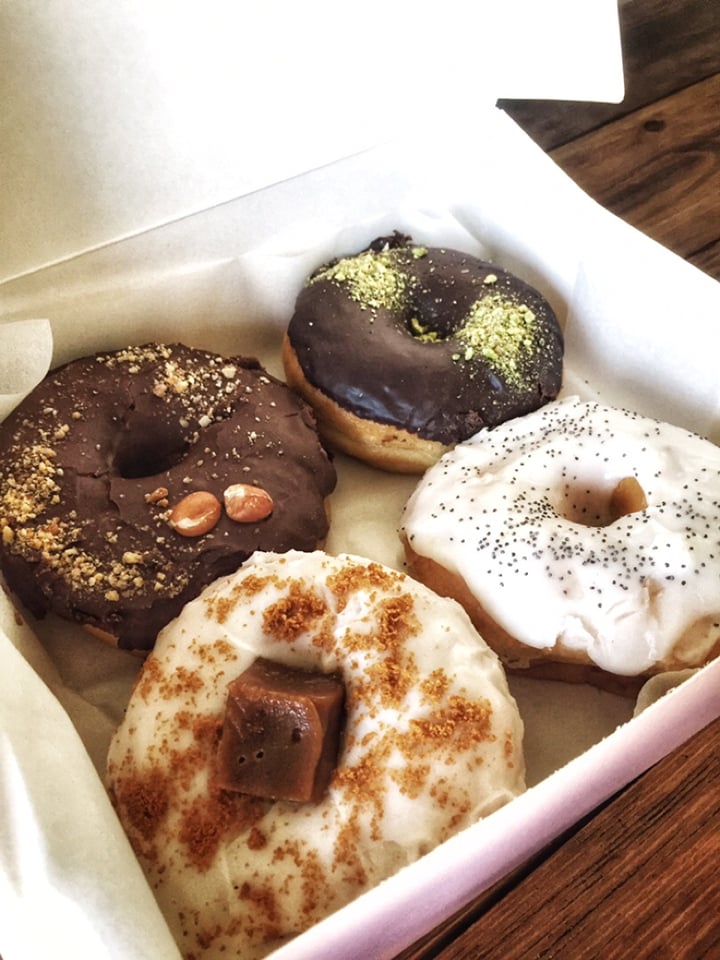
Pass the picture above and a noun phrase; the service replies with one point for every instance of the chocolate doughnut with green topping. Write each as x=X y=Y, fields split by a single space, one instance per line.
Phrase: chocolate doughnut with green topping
x=404 y=351
x=130 y=480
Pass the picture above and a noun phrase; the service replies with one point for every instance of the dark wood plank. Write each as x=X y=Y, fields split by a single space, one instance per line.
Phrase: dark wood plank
x=708 y=259
x=667 y=45
x=658 y=168
x=599 y=895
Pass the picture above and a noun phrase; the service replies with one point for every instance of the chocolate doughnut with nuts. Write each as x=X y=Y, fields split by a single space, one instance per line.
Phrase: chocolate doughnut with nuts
x=404 y=351
x=130 y=480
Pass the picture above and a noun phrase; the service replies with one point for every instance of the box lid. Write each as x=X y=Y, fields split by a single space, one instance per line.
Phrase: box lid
x=119 y=117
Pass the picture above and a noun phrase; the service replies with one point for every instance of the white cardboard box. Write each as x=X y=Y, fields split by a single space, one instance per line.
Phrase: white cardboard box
x=141 y=207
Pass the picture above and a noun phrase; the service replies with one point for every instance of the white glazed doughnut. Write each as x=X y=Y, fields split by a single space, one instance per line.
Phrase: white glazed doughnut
x=432 y=742
x=519 y=524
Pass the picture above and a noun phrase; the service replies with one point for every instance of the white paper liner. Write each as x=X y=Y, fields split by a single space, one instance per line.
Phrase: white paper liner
x=26 y=348
x=69 y=878
x=226 y=279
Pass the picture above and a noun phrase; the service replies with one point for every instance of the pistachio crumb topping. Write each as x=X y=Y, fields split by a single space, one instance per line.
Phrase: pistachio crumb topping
x=501 y=331
x=422 y=332
x=371 y=278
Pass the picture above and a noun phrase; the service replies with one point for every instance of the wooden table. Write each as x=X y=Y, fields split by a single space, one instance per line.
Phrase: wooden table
x=639 y=877
x=654 y=159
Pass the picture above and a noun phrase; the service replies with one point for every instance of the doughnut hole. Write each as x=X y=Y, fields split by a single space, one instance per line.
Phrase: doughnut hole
x=145 y=447
x=428 y=326
x=428 y=317
x=593 y=507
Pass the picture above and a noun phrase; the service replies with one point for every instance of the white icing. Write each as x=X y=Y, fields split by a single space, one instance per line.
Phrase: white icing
x=495 y=512
x=219 y=635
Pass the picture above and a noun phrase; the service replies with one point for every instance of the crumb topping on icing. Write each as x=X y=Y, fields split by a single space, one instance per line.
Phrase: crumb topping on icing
x=104 y=459
x=433 y=341
x=498 y=328
x=428 y=747
x=502 y=331
x=372 y=279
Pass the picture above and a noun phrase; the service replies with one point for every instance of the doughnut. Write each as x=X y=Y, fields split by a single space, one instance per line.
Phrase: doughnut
x=131 y=479
x=429 y=741
x=583 y=540
x=404 y=350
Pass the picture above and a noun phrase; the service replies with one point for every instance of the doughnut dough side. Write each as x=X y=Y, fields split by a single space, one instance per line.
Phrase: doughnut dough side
x=382 y=445
x=432 y=741
x=521 y=526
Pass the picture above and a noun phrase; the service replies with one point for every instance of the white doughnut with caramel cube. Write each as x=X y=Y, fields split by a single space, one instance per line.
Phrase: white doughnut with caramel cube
x=304 y=729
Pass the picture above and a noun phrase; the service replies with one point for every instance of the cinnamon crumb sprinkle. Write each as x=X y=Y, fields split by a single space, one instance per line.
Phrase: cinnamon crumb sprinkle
x=293 y=614
x=145 y=800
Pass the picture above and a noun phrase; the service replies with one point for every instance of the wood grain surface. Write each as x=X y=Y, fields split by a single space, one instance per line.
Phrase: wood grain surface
x=660 y=168
x=653 y=159
x=638 y=878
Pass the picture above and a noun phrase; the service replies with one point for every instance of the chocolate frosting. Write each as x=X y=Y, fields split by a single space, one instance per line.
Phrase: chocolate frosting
x=430 y=340
x=92 y=462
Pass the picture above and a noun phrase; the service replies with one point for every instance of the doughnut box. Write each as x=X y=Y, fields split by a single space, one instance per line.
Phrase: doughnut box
x=159 y=203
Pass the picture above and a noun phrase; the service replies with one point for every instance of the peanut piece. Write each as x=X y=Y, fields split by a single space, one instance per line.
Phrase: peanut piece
x=131 y=557
x=247 y=504
x=627 y=497
x=196 y=514
x=159 y=493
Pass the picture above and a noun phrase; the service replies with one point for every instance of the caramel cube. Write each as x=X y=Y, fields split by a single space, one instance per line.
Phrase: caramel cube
x=281 y=732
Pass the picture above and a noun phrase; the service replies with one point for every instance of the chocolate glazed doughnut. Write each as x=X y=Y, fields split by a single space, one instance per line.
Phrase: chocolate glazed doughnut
x=403 y=351
x=130 y=480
